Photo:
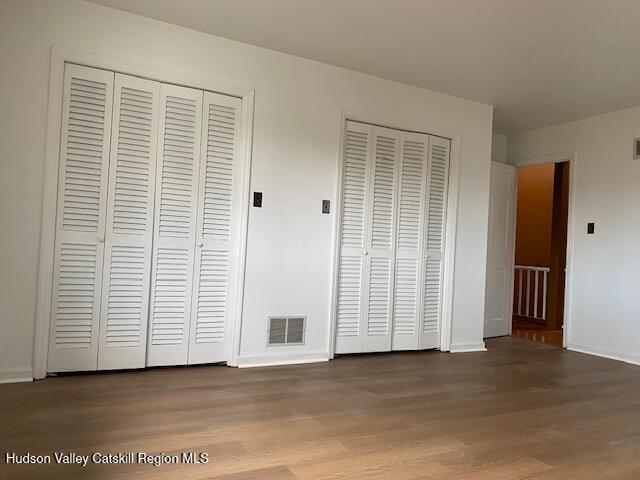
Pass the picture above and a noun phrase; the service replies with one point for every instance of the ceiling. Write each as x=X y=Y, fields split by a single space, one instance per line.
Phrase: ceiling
x=539 y=62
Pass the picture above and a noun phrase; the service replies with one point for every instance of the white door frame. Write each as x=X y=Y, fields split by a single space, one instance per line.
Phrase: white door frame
x=451 y=223
x=572 y=158
x=62 y=55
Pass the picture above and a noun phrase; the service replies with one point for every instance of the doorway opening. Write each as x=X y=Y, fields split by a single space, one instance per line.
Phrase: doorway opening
x=540 y=252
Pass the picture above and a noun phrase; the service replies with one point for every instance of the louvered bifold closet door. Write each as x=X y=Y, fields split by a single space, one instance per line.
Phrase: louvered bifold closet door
x=217 y=230
x=350 y=275
x=380 y=241
x=80 y=218
x=178 y=163
x=438 y=180
x=129 y=231
x=408 y=304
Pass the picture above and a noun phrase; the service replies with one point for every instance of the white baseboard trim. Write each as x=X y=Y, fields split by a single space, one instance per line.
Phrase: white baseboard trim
x=16 y=375
x=281 y=359
x=632 y=358
x=467 y=347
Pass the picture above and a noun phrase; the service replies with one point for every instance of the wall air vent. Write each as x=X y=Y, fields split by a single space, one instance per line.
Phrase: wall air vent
x=286 y=330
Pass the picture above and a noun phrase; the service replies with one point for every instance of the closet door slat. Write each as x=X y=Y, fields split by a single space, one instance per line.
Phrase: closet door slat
x=410 y=248
x=381 y=240
x=178 y=165
x=217 y=230
x=439 y=152
x=349 y=295
x=80 y=219
x=129 y=232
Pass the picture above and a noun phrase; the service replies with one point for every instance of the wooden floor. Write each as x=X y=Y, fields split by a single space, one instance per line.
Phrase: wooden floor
x=520 y=410
x=536 y=333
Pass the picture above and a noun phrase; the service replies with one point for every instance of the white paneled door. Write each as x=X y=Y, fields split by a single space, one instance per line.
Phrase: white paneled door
x=408 y=304
x=216 y=232
x=147 y=225
x=365 y=270
x=129 y=230
x=436 y=213
x=393 y=212
x=500 y=251
x=80 y=219
x=380 y=241
x=176 y=209
x=351 y=263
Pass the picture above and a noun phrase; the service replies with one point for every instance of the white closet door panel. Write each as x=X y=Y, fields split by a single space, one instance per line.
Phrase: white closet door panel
x=382 y=195
x=217 y=230
x=498 y=310
x=438 y=178
x=80 y=222
x=406 y=305
x=349 y=303
x=174 y=224
x=129 y=232
x=410 y=245
x=356 y=167
x=380 y=241
x=377 y=336
x=350 y=279
x=390 y=265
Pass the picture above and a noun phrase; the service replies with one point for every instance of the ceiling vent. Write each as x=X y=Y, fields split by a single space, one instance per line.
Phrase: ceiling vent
x=286 y=330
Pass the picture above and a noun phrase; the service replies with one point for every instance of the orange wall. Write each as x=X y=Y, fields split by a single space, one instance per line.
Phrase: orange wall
x=534 y=218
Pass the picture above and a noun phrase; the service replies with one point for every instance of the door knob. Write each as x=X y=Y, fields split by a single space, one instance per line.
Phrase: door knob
x=200 y=245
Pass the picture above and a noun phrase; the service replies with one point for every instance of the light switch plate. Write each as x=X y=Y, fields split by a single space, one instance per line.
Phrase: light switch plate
x=257 y=199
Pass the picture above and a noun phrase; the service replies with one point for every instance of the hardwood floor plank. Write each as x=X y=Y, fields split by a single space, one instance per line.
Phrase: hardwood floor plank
x=521 y=410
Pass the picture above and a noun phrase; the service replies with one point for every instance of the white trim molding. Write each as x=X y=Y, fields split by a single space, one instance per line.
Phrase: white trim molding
x=62 y=55
x=467 y=347
x=572 y=158
x=632 y=358
x=246 y=149
x=281 y=359
x=16 y=375
x=451 y=221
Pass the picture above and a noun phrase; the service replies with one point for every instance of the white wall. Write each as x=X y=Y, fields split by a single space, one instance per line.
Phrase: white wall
x=296 y=135
x=499 y=148
x=605 y=298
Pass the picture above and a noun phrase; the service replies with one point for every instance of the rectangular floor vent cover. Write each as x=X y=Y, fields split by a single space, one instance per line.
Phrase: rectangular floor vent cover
x=286 y=330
